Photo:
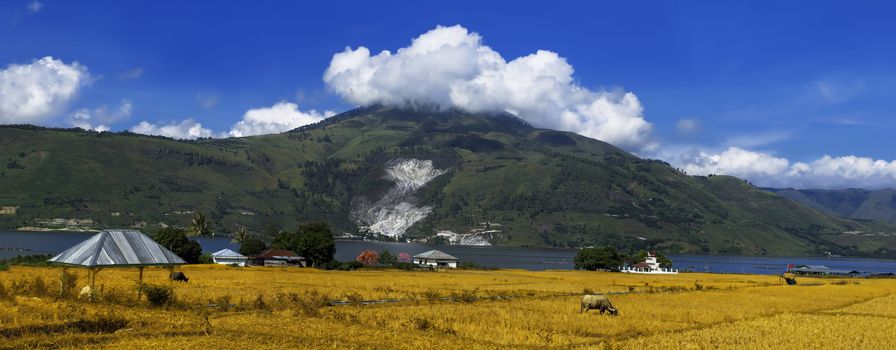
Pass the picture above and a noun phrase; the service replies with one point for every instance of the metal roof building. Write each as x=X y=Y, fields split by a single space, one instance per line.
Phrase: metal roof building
x=435 y=258
x=229 y=257
x=118 y=248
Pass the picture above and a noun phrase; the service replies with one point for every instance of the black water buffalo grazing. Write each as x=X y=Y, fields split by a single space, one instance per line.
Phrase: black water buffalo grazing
x=599 y=302
x=179 y=276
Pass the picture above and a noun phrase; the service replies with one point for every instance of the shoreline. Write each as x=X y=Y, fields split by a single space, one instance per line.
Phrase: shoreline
x=47 y=229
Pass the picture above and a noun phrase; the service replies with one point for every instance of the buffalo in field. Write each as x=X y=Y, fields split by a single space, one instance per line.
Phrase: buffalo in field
x=179 y=276
x=599 y=302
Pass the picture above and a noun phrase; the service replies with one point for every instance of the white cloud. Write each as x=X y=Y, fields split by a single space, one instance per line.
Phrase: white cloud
x=32 y=92
x=760 y=139
x=35 y=7
x=837 y=91
x=132 y=74
x=98 y=119
x=206 y=100
x=736 y=162
x=688 y=126
x=281 y=117
x=764 y=169
x=450 y=66
x=186 y=129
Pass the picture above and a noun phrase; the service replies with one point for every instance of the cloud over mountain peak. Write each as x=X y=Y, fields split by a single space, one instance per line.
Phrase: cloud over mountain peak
x=450 y=66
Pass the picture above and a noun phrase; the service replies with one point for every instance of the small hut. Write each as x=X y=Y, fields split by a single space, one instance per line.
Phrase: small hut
x=435 y=258
x=117 y=248
x=229 y=257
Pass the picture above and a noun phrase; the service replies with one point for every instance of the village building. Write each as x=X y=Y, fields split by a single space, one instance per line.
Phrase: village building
x=649 y=266
x=277 y=257
x=229 y=257
x=116 y=248
x=435 y=258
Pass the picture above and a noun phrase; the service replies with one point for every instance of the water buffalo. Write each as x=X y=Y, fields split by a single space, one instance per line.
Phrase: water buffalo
x=179 y=276
x=598 y=301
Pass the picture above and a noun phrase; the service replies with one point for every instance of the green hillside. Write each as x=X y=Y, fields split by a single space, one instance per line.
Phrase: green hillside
x=504 y=181
x=878 y=205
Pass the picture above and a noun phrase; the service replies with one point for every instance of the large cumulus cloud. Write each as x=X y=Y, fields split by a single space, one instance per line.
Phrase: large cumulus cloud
x=186 y=129
x=281 y=117
x=450 y=66
x=32 y=92
x=764 y=169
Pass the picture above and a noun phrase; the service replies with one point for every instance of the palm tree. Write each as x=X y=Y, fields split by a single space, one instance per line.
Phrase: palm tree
x=241 y=235
x=199 y=226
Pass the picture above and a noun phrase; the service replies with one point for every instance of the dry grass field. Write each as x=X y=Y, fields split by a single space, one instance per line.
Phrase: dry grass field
x=241 y=308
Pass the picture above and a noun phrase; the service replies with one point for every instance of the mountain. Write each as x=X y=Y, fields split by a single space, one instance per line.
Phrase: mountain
x=878 y=205
x=427 y=174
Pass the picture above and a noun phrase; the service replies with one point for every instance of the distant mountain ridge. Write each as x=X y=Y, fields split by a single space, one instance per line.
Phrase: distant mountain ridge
x=877 y=205
x=432 y=175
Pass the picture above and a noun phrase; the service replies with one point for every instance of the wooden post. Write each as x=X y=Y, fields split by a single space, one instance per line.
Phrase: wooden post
x=62 y=281
x=140 y=284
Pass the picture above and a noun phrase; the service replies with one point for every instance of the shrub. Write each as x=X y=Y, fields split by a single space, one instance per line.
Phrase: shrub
x=117 y=297
x=343 y=266
x=69 y=282
x=431 y=295
x=405 y=266
x=259 y=303
x=4 y=293
x=27 y=260
x=354 y=299
x=387 y=258
x=4 y=267
x=158 y=295
x=465 y=296
x=205 y=258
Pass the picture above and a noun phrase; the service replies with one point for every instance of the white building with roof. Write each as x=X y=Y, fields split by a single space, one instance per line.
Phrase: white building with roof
x=649 y=266
x=435 y=258
x=229 y=257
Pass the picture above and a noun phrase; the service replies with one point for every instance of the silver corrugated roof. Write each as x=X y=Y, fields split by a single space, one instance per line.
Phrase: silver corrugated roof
x=118 y=248
x=435 y=254
x=227 y=253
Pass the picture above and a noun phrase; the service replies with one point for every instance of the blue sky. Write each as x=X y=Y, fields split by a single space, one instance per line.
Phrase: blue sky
x=791 y=81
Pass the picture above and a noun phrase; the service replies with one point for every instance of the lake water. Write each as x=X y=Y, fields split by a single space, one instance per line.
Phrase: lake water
x=14 y=243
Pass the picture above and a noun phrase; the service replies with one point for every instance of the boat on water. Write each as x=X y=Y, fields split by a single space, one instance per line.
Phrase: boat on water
x=648 y=267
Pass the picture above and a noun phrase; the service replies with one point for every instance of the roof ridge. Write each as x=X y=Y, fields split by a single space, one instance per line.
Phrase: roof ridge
x=99 y=247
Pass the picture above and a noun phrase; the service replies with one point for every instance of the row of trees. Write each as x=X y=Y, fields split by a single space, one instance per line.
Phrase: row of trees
x=312 y=241
x=608 y=258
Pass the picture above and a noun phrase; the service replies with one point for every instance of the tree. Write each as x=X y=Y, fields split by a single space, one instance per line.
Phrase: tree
x=199 y=225
x=176 y=241
x=594 y=258
x=241 y=235
x=271 y=231
x=368 y=257
x=312 y=241
x=387 y=258
x=252 y=246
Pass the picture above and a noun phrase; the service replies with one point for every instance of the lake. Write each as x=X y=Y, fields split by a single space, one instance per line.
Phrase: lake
x=14 y=243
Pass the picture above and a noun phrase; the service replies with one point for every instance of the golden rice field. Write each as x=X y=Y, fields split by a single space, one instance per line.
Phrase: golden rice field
x=240 y=308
